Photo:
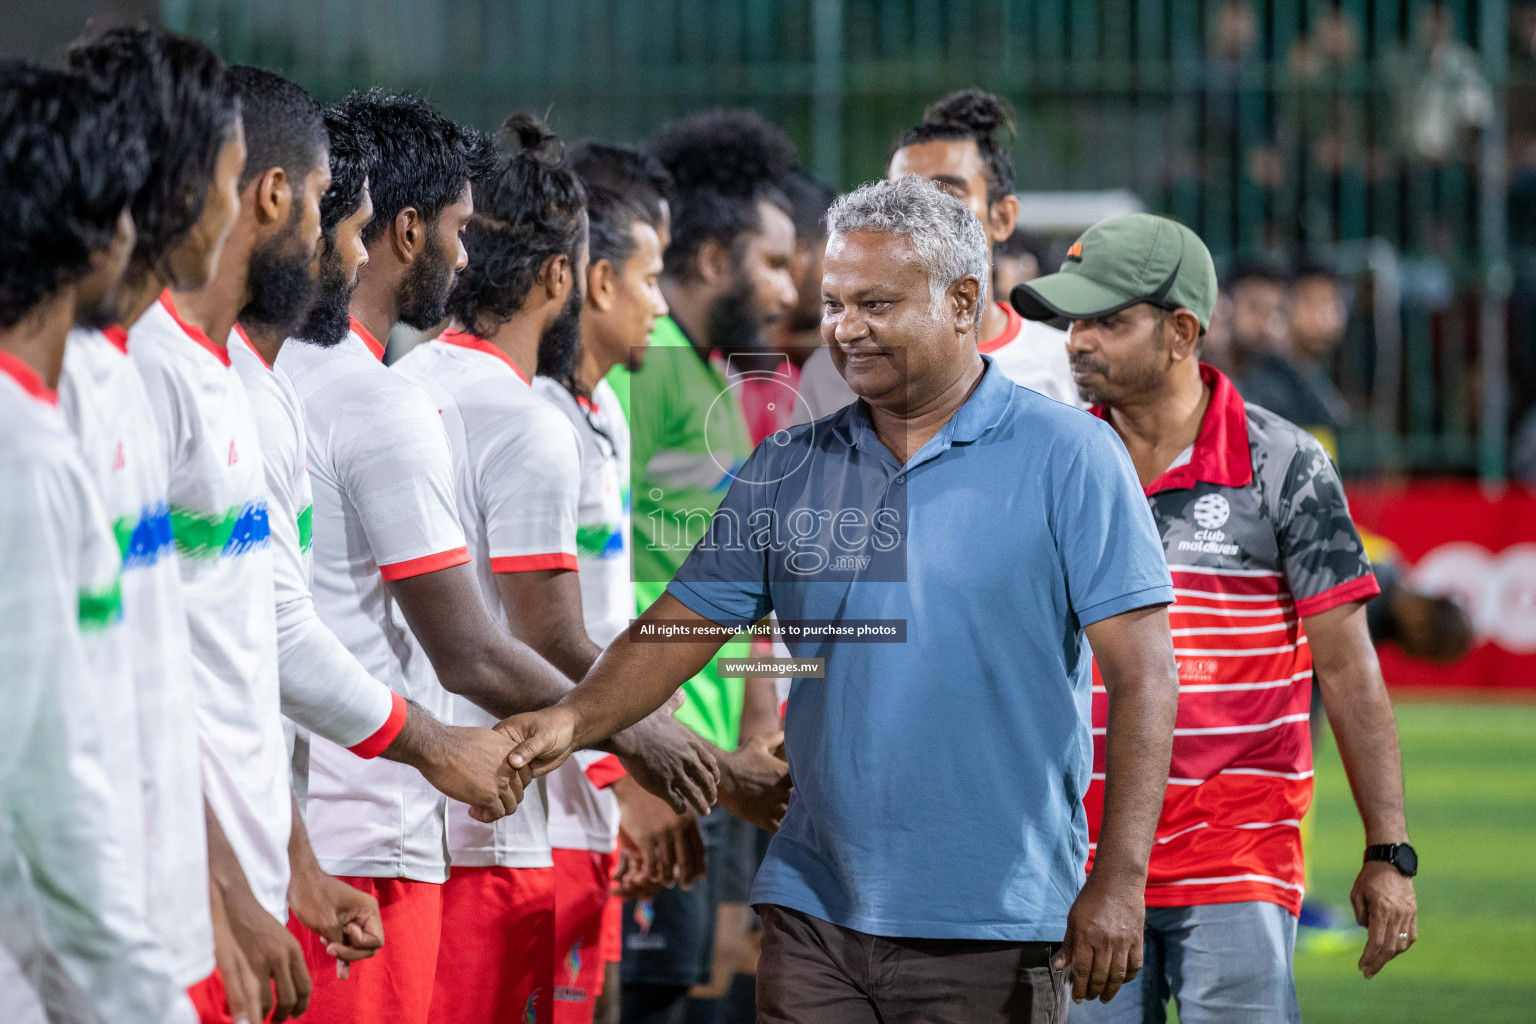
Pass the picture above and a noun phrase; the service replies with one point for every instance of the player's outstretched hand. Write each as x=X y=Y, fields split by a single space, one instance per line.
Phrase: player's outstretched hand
x=754 y=781
x=670 y=760
x=541 y=740
x=475 y=767
x=1385 y=905
x=1103 y=946
x=664 y=847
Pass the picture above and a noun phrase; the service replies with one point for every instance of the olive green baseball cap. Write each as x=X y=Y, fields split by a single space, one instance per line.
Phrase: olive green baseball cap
x=1120 y=262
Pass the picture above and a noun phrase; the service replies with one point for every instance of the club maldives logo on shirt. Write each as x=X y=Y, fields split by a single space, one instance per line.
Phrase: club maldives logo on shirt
x=203 y=536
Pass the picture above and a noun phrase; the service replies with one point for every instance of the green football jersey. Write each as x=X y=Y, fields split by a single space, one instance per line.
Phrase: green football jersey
x=688 y=438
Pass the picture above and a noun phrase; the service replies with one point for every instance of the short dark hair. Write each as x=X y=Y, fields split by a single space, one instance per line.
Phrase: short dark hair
x=284 y=126
x=67 y=172
x=629 y=172
x=352 y=153
x=176 y=95
x=1264 y=271
x=528 y=207
x=723 y=163
x=809 y=199
x=1313 y=266
x=975 y=115
x=1026 y=243
x=421 y=158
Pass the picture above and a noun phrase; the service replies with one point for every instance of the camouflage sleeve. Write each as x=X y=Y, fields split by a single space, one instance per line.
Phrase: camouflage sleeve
x=1321 y=554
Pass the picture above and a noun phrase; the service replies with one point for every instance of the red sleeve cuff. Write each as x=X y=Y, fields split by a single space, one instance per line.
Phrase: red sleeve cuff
x=1361 y=589
x=425 y=564
x=530 y=563
x=605 y=773
x=376 y=744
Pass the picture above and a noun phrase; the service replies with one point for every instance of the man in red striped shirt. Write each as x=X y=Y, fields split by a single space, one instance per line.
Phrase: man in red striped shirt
x=1271 y=581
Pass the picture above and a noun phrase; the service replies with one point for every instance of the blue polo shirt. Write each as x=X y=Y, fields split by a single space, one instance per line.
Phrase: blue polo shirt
x=938 y=781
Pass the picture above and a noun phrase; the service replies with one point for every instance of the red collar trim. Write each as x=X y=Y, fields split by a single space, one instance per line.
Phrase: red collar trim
x=1010 y=330
x=368 y=339
x=1221 y=454
x=464 y=339
x=195 y=333
x=247 y=339
x=587 y=404
x=30 y=380
x=117 y=334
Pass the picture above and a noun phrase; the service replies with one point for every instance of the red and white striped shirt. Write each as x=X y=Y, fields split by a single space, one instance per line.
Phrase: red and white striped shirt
x=1258 y=538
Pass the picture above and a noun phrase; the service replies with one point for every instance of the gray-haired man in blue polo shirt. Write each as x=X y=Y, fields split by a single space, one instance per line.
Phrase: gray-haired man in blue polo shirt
x=930 y=864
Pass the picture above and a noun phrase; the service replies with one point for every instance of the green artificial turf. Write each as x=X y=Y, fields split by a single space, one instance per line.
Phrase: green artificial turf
x=1470 y=771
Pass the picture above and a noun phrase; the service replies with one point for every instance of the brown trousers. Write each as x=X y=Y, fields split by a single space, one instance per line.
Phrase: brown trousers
x=815 y=972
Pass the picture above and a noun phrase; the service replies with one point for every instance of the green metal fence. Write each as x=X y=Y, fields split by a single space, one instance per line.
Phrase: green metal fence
x=1370 y=131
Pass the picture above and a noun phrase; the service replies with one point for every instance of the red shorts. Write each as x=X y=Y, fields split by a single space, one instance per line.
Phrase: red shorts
x=211 y=1001
x=394 y=986
x=582 y=879
x=613 y=930
x=496 y=964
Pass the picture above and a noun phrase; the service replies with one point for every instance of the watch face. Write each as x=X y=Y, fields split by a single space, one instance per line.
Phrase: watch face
x=1406 y=860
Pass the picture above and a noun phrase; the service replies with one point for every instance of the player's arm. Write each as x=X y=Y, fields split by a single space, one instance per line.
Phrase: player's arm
x=629 y=681
x=1134 y=651
x=543 y=607
x=483 y=663
x=1360 y=713
x=270 y=950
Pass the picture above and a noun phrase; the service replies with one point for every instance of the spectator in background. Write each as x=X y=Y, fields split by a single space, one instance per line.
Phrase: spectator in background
x=1442 y=94
x=1291 y=379
x=1020 y=257
x=1257 y=324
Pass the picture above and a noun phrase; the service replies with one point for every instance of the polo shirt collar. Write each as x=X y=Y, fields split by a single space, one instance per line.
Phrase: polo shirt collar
x=983 y=410
x=26 y=378
x=1221 y=455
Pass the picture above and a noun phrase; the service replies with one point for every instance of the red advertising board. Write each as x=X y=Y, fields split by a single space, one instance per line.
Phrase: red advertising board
x=1478 y=544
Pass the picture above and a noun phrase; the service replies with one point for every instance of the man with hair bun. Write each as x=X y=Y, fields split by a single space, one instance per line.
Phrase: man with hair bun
x=930 y=865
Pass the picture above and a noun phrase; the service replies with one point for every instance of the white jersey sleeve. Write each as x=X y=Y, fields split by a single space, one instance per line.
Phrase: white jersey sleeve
x=528 y=482
x=398 y=473
x=53 y=781
x=324 y=688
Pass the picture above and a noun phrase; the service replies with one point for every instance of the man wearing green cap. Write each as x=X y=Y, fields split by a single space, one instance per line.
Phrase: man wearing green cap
x=1271 y=582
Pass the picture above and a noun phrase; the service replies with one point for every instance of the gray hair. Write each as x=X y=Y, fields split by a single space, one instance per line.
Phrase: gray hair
x=946 y=234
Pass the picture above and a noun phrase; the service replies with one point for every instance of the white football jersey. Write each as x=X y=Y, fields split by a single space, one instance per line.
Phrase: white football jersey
x=382 y=479
x=517 y=475
x=218 y=497
x=583 y=814
x=325 y=691
x=71 y=899
x=1034 y=354
x=102 y=399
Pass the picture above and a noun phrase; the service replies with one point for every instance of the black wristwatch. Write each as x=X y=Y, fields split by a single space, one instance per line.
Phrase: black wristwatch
x=1399 y=855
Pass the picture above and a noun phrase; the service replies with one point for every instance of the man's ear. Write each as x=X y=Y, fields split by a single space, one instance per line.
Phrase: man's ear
x=555 y=274
x=1002 y=218
x=713 y=262
x=273 y=196
x=964 y=297
x=602 y=285
x=1182 y=334
x=408 y=234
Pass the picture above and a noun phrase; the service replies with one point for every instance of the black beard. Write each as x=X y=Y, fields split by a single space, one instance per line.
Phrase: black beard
x=330 y=319
x=97 y=317
x=735 y=325
x=560 y=344
x=282 y=291
x=422 y=301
